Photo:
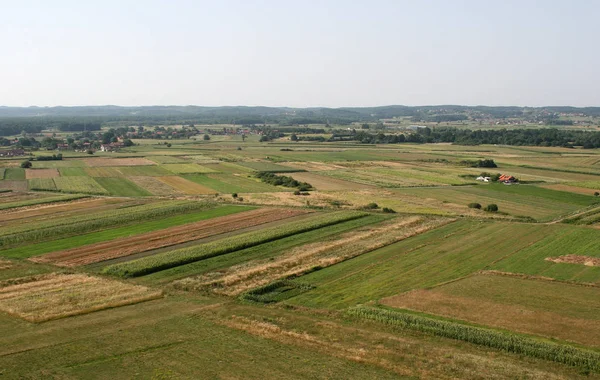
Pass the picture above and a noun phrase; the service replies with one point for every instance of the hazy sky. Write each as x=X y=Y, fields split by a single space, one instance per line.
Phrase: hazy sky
x=299 y=53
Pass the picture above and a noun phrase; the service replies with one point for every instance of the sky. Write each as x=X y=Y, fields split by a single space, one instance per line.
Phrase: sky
x=299 y=53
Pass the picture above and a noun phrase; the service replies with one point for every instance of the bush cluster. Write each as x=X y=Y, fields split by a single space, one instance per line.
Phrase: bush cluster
x=282 y=180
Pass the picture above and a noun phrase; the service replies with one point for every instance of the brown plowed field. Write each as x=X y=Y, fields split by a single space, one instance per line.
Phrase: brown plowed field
x=163 y=238
x=41 y=173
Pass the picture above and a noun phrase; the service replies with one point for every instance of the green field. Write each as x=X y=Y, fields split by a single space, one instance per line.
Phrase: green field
x=14 y=174
x=381 y=271
x=114 y=233
x=77 y=184
x=445 y=254
x=121 y=187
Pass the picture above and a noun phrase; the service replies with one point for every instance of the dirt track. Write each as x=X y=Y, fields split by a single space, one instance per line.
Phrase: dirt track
x=163 y=238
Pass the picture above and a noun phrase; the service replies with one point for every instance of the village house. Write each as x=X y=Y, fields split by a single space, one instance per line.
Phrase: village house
x=12 y=153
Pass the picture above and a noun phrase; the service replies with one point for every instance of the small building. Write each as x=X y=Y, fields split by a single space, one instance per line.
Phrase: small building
x=12 y=153
x=484 y=179
x=505 y=178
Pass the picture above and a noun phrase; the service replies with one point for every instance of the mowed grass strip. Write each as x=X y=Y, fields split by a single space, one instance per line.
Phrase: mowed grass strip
x=40 y=201
x=446 y=253
x=148 y=171
x=103 y=172
x=558 y=240
x=268 y=167
x=187 y=168
x=55 y=229
x=154 y=186
x=548 y=308
x=183 y=256
x=122 y=187
x=517 y=344
x=94 y=253
x=306 y=258
x=186 y=186
x=46 y=297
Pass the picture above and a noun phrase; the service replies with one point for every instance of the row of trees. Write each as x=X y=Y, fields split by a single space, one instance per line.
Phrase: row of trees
x=532 y=137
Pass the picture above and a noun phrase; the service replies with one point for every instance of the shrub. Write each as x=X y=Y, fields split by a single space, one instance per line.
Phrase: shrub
x=234 y=195
x=491 y=208
x=475 y=205
x=26 y=164
x=596 y=194
x=297 y=192
x=388 y=210
x=371 y=206
x=281 y=180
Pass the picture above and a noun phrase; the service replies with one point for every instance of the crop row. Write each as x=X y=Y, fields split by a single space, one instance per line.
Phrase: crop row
x=36 y=201
x=521 y=345
x=184 y=256
x=106 y=219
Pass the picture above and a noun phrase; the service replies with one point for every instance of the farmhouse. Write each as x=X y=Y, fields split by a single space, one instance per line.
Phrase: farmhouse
x=111 y=147
x=507 y=178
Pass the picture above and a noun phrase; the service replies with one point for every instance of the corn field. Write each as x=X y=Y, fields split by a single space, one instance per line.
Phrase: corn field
x=521 y=345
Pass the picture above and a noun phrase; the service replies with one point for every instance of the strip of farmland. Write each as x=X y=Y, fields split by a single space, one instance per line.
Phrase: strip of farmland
x=163 y=238
x=184 y=256
x=305 y=258
x=46 y=297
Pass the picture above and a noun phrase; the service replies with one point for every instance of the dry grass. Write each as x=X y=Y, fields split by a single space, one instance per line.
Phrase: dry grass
x=576 y=259
x=53 y=296
x=185 y=186
x=41 y=173
x=327 y=183
x=240 y=278
x=313 y=166
x=5 y=264
x=136 y=161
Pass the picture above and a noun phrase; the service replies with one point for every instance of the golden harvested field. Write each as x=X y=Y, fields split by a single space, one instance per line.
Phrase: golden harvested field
x=314 y=166
x=327 y=183
x=135 y=161
x=52 y=296
x=533 y=306
x=154 y=186
x=41 y=173
x=252 y=274
x=185 y=186
x=163 y=238
x=103 y=172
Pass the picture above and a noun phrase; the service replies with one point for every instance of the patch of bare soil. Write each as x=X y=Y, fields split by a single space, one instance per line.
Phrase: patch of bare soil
x=576 y=259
